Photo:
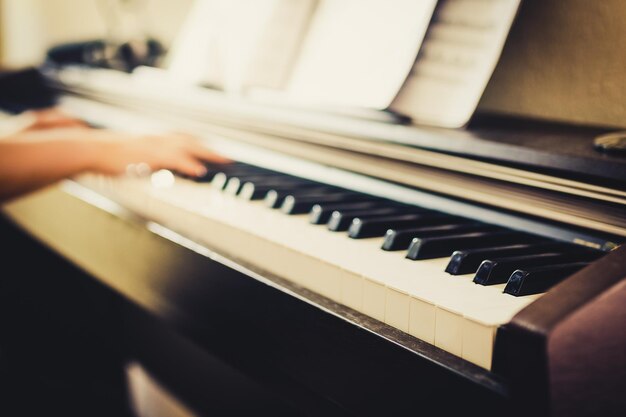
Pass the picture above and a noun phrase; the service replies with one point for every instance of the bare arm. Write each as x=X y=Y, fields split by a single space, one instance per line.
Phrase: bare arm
x=38 y=157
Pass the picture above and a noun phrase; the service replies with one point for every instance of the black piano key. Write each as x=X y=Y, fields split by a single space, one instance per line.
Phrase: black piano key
x=300 y=204
x=320 y=213
x=363 y=228
x=437 y=247
x=219 y=180
x=340 y=220
x=498 y=271
x=268 y=182
x=207 y=177
x=275 y=197
x=540 y=279
x=467 y=261
x=401 y=239
x=221 y=177
x=211 y=170
x=257 y=191
x=235 y=170
x=234 y=184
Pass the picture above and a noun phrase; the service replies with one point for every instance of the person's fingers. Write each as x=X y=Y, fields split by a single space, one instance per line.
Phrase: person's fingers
x=188 y=166
x=201 y=152
x=193 y=145
x=49 y=118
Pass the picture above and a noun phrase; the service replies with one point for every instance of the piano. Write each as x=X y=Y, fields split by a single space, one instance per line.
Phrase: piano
x=323 y=273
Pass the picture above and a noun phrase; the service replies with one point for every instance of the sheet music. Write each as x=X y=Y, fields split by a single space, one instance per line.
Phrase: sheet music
x=457 y=58
x=359 y=52
x=194 y=55
x=235 y=44
x=278 y=43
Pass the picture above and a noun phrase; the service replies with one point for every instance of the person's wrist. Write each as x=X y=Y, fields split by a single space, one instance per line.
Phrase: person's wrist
x=95 y=153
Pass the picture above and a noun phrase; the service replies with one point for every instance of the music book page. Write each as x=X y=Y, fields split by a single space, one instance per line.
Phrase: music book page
x=458 y=56
x=359 y=52
x=236 y=44
x=278 y=44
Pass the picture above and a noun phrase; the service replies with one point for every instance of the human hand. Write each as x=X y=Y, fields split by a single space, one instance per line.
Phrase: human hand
x=53 y=118
x=35 y=158
x=178 y=152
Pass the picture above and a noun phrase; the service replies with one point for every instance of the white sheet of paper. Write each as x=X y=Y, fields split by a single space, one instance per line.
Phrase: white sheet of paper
x=458 y=56
x=278 y=43
x=194 y=56
x=359 y=52
x=235 y=44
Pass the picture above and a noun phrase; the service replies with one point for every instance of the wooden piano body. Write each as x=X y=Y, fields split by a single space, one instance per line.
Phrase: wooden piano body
x=227 y=336
x=149 y=285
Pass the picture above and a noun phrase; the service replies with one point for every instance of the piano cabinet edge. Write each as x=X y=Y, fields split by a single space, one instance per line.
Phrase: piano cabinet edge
x=343 y=356
x=566 y=351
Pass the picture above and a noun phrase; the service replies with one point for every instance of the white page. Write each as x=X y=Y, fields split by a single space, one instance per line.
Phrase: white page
x=234 y=44
x=193 y=58
x=359 y=52
x=278 y=43
x=458 y=56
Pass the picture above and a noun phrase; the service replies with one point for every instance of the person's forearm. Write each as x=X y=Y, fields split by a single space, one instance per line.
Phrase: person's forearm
x=33 y=159
x=28 y=165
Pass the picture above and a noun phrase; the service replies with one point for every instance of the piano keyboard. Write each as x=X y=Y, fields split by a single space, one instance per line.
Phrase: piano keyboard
x=445 y=279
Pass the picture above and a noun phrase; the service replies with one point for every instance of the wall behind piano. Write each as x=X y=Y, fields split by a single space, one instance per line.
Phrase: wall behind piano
x=29 y=27
x=565 y=61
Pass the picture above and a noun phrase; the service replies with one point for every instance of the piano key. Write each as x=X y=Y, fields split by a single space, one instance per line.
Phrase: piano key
x=207 y=177
x=234 y=184
x=219 y=180
x=467 y=261
x=320 y=213
x=222 y=173
x=275 y=197
x=436 y=247
x=257 y=191
x=294 y=204
x=540 y=279
x=267 y=181
x=211 y=170
x=401 y=239
x=498 y=271
x=364 y=228
x=242 y=168
x=237 y=169
x=341 y=220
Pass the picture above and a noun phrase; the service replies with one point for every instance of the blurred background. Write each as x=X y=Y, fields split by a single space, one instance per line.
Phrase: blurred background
x=29 y=27
x=563 y=60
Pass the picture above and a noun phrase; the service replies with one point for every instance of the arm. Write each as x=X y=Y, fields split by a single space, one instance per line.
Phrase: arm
x=36 y=158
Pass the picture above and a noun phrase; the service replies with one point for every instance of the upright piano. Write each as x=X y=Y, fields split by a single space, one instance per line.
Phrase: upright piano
x=346 y=266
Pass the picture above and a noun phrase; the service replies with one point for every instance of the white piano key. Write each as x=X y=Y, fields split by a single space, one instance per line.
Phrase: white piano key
x=352 y=291
x=479 y=331
x=478 y=340
x=374 y=299
x=448 y=331
x=397 y=309
x=422 y=320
